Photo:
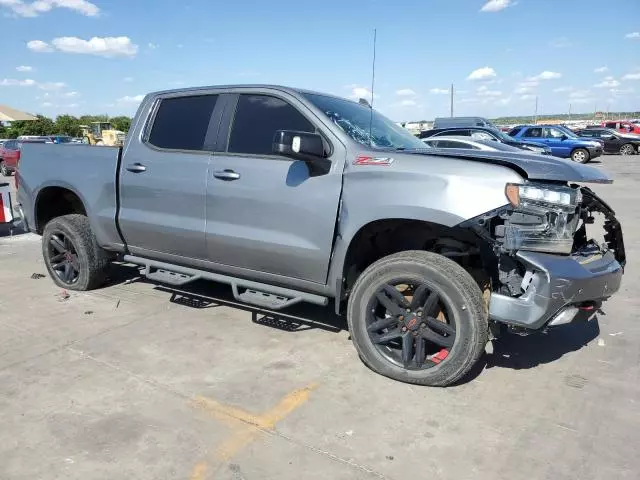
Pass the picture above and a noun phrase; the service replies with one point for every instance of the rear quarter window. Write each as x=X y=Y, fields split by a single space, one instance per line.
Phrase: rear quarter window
x=515 y=131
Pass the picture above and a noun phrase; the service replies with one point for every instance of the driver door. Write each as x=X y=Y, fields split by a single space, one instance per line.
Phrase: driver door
x=264 y=211
x=555 y=138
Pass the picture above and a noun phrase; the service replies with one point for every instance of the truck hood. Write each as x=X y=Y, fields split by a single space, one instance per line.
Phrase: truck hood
x=531 y=166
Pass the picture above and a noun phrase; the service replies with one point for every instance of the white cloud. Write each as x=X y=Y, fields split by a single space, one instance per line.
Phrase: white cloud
x=131 y=99
x=504 y=101
x=601 y=69
x=527 y=97
x=39 y=46
x=51 y=85
x=152 y=46
x=608 y=82
x=24 y=68
x=358 y=92
x=496 y=5
x=483 y=91
x=546 y=75
x=73 y=105
x=405 y=92
x=10 y=82
x=562 y=42
x=47 y=104
x=33 y=9
x=127 y=79
x=70 y=94
x=616 y=92
x=631 y=76
x=439 y=91
x=521 y=90
x=483 y=73
x=529 y=83
x=580 y=94
x=408 y=103
x=562 y=89
x=101 y=46
x=632 y=35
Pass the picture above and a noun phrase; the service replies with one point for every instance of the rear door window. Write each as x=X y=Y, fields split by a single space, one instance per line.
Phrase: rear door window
x=481 y=135
x=610 y=124
x=182 y=123
x=533 y=132
x=455 y=144
x=256 y=121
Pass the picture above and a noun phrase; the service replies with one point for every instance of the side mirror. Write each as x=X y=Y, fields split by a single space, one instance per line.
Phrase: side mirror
x=563 y=137
x=305 y=146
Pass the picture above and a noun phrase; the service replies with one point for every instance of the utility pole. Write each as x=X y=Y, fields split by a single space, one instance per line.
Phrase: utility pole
x=569 y=112
x=535 y=118
x=451 y=100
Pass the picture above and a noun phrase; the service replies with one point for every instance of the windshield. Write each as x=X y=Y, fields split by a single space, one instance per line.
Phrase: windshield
x=364 y=125
x=567 y=131
x=62 y=139
x=502 y=136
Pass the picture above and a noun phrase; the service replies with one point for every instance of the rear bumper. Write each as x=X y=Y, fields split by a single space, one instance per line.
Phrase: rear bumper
x=557 y=283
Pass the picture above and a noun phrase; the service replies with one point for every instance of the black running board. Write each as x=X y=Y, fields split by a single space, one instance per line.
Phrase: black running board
x=254 y=293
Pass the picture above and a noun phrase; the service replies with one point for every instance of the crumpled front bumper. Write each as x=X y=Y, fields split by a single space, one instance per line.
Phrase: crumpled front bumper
x=557 y=282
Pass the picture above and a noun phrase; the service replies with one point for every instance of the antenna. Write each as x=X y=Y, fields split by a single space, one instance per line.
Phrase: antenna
x=451 y=100
x=373 y=82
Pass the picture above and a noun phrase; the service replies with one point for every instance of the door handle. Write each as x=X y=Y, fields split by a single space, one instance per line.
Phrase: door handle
x=226 y=175
x=136 y=167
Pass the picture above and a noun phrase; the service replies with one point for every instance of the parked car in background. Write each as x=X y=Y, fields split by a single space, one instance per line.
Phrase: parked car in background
x=449 y=122
x=622 y=126
x=10 y=154
x=469 y=143
x=614 y=142
x=486 y=133
x=59 y=139
x=562 y=141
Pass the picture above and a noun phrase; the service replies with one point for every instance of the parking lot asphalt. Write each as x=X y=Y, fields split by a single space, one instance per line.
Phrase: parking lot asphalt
x=142 y=381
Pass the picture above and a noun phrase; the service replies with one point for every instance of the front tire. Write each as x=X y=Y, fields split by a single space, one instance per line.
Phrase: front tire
x=627 y=149
x=4 y=170
x=419 y=318
x=580 y=155
x=72 y=256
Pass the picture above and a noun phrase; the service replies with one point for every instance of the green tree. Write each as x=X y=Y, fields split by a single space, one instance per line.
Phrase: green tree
x=121 y=123
x=41 y=126
x=68 y=125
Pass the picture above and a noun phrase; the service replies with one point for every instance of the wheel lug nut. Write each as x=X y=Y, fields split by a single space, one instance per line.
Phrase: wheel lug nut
x=401 y=317
x=404 y=329
x=408 y=310
x=423 y=325
x=419 y=314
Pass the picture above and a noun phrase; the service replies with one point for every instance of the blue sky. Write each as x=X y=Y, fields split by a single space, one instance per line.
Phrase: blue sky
x=99 y=56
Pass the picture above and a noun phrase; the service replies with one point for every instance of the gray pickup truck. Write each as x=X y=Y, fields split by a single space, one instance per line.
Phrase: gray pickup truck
x=295 y=196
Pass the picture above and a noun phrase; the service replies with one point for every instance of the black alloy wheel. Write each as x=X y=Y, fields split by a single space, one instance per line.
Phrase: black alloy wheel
x=63 y=257
x=411 y=325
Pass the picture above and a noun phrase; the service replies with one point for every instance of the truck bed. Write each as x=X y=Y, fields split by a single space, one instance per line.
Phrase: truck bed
x=89 y=172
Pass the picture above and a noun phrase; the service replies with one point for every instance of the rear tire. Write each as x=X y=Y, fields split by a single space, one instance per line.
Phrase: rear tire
x=4 y=170
x=457 y=294
x=580 y=155
x=72 y=256
x=627 y=149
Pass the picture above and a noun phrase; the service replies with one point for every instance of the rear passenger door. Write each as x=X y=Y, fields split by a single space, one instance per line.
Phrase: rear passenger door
x=163 y=180
x=267 y=212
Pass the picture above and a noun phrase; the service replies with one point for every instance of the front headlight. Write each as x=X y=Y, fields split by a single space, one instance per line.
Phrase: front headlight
x=544 y=217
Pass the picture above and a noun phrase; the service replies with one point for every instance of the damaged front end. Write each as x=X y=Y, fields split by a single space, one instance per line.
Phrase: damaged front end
x=549 y=270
